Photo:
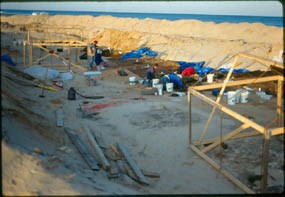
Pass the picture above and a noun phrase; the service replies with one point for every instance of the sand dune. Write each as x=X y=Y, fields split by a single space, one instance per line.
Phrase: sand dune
x=181 y=40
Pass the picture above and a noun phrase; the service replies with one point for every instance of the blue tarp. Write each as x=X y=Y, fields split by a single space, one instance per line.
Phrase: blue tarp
x=195 y=65
x=139 y=53
x=6 y=58
x=241 y=70
x=198 y=66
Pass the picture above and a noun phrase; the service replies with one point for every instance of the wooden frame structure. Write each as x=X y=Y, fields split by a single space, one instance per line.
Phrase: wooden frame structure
x=42 y=44
x=197 y=146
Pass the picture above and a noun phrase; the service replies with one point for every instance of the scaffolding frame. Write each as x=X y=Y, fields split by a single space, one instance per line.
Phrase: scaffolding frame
x=258 y=129
x=29 y=43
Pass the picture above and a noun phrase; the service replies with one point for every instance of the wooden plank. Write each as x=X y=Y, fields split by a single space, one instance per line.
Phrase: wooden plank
x=240 y=135
x=236 y=83
x=42 y=58
x=59 y=117
x=266 y=62
x=277 y=131
x=83 y=150
x=230 y=112
x=132 y=164
x=218 y=99
x=222 y=171
x=264 y=162
x=99 y=153
x=151 y=174
x=225 y=137
x=61 y=58
x=279 y=102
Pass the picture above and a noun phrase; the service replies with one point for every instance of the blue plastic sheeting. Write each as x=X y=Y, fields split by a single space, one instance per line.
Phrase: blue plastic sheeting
x=195 y=65
x=241 y=70
x=139 y=53
x=204 y=70
x=172 y=78
x=6 y=58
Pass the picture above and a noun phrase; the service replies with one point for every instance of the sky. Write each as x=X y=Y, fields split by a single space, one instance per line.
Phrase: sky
x=248 y=8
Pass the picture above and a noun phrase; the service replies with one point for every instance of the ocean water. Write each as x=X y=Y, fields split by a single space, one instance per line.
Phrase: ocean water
x=266 y=20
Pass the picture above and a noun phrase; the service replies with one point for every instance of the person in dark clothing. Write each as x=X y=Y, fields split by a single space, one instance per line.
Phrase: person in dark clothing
x=150 y=73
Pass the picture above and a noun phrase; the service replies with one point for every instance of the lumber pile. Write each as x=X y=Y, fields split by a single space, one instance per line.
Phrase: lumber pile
x=116 y=161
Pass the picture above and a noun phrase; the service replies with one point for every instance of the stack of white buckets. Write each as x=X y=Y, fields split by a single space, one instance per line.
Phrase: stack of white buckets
x=237 y=96
x=156 y=84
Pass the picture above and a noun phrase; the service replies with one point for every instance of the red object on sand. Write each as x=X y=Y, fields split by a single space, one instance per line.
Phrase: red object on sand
x=58 y=85
x=188 y=71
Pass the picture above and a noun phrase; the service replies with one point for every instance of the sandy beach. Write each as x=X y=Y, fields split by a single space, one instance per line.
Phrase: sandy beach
x=38 y=158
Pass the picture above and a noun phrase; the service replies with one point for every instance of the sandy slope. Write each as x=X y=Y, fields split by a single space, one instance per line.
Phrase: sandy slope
x=185 y=40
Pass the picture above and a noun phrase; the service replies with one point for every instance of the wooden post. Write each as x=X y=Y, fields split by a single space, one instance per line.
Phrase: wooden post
x=264 y=164
x=30 y=54
x=24 y=52
x=189 y=117
x=279 y=102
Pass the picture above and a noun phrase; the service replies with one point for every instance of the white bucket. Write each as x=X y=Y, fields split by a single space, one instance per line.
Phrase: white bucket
x=159 y=88
x=232 y=97
x=132 y=80
x=238 y=95
x=169 y=87
x=155 y=82
x=244 y=97
x=210 y=78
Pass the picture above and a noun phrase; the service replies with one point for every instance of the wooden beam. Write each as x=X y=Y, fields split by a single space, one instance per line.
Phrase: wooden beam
x=225 y=137
x=230 y=112
x=132 y=164
x=83 y=150
x=266 y=62
x=239 y=135
x=103 y=160
x=222 y=171
x=277 y=131
x=61 y=58
x=42 y=58
x=75 y=45
x=236 y=83
x=218 y=100
x=279 y=102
